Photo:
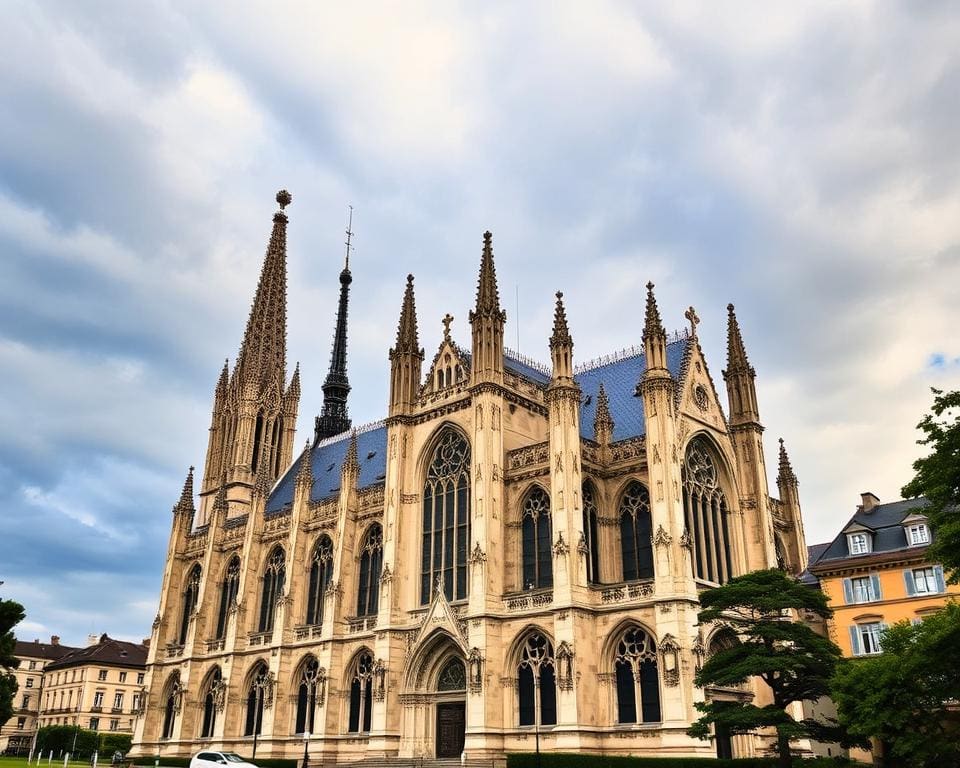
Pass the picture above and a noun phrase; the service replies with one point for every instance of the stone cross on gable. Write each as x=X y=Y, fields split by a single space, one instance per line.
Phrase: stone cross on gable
x=691 y=315
x=447 y=319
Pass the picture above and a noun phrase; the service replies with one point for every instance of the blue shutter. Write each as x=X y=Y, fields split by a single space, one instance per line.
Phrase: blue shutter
x=847 y=591
x=909 y=584
x=855 y=641
x=875 y=584
x=938 y=574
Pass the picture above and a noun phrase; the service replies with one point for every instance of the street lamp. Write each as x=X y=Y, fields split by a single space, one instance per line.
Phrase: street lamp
x=306 y=749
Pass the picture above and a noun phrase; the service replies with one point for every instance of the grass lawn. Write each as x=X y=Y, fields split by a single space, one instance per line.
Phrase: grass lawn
x=21 y=762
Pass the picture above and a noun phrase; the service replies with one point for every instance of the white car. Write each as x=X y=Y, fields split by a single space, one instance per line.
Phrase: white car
x=211 y=759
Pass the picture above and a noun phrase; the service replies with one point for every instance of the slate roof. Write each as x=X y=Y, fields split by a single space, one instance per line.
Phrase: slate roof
x=620 y=377
x=885 y=522
x=814 y=551
x=108 y=652
x=38 y=650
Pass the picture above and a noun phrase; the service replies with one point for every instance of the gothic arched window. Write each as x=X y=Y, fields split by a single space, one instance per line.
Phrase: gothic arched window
x=446 y=519
x=260 y=688
x=190 y=593
x=638 y=684
x=321 y=571
x=211 y=703
x=307 y=696
x=537 y=542
x=171 y=705
x=453 y=676
x=361 y=695
x=371 y=562
x=228 y=595
x=705 y=509
x=273 y=578
x=537 y=674
x=591 y=536
x=636 y=542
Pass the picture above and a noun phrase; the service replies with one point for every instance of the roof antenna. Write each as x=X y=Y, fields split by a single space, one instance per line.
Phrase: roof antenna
x=349 y=235
x=517 y=321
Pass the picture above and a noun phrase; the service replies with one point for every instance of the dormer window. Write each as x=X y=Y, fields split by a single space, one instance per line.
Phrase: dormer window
x=918 y=534
x=858 y=543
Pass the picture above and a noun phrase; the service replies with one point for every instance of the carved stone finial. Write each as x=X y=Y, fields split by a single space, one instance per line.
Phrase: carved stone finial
x=603 y=422
x=284 y=198
x=184 y=505
x=653 y=325
x=561 y=331
x=407 y=338
x=694 y=319
x=785 y=474
x=447 y=319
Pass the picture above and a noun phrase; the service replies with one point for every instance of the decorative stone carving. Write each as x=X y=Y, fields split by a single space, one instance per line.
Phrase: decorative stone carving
x=386 y=575
x=661 y=538
x=565 y=656
x=532 y=454
x=670 y=655
x=685 y=541
x=475 y=668
x=379 y=680
x=560 y=547
x=477 y=556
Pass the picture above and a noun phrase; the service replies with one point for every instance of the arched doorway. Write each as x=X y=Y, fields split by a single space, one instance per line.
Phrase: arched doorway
x=451 y=708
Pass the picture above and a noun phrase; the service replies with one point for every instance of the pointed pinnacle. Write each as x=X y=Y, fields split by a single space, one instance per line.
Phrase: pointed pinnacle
x=407 y=338
x=785 y=473
x=185 y=504
x=602 y=419
x=488 y=297
x=263 y=482
x=351 y=462
x=653 y=325
x=224 y=380
x=220 y=501
x=305 y=471
x=736 y=352
x=561 y=332
x=294 y=389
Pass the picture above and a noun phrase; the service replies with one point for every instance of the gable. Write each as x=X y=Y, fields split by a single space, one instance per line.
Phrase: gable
x=697 y=394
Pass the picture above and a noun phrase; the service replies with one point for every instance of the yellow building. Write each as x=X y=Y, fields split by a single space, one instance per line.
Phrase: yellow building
x=99 y=687
x=514 y=555
x=16 y=735
x=875 y=573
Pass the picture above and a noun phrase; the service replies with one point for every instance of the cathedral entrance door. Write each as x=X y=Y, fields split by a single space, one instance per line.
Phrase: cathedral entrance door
x=451 y=726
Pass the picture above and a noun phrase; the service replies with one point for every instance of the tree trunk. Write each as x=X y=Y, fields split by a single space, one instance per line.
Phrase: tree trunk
x=783 y=749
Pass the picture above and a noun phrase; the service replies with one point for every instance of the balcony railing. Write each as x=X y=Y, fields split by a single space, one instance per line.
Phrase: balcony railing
x=525 y=601
x=259 y=638
x=624 y=593
x=307 y=631
x=215 y=645
x=361 y=624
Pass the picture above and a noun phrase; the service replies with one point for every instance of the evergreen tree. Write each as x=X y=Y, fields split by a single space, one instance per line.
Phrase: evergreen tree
x=938 y=479
x=11 y=614
x=787 y=655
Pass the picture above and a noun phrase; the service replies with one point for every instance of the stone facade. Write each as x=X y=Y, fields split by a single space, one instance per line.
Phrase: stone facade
x=513 y=555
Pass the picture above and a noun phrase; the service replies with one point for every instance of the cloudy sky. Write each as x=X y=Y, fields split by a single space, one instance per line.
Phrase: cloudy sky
x=798 y=160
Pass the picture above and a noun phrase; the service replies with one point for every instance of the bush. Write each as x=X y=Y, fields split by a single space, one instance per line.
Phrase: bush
x=67 y=738
x=570 y=760
x=184 y=762
x=114 y=742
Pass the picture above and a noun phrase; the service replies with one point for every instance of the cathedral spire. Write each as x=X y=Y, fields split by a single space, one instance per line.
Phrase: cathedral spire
x=603 y=422
x=785 y=475
x=220 y=393
x=184 y=505
x=334 y=420
x=487 y=320
x=739 y=376
x=351 y=463
x=561 y=344
x=654 y=338
x=262 y=357
x=406 y=358
x=304 y=478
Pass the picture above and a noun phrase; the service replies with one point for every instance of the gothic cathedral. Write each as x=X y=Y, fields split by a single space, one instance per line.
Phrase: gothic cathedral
x=510 y=559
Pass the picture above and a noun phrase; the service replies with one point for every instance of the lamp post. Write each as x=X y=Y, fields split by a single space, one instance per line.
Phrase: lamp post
x=536 y=710
x=306 y=750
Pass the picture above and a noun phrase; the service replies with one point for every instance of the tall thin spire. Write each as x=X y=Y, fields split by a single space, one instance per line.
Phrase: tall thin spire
x=739 y=376
x=654 y=339
x=561 y=346
x=785 y=474
x=488 y=297
x=336 y=388
x=406 y=357
x=652 y=325
x=737 y=361
x=487 y=320
x=561 y=331
x=603 y=422
x=262 y=357
x=185 y=504
x=407 y=338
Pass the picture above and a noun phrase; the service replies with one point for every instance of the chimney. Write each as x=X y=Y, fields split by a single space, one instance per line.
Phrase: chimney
x=91 y=640
x=868 y=502
x=54 y=639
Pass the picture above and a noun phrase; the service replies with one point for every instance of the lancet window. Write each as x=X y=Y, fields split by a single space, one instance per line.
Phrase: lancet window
x=260 y=688
x=371 y=563
x=228 y=595
x=638 y=684
x=537 y=682
x=361 y=694
x=705 y=509
x=636 y=543
x=191 y=591
x=591 y=536
x=273 y=579
x=537 y=541
x=307 y=695
x=321 y=571
x=171 y=705
x=446 y=519
x=212 y=701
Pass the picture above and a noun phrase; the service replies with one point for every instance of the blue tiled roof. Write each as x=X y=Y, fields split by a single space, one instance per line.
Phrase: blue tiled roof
x=885 y=520
x=512 y=364
x=620 y=379
x=327 y=458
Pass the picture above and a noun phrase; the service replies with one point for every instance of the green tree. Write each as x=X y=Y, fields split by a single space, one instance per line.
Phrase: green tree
x=793 y=660
x=938 y=479
x=11 y=614
x=901 y=696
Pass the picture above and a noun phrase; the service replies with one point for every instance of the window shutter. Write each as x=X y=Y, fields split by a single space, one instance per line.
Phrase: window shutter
x=908 y=583
x=875 y=584
x=854 y=638
x=847 y=591
x=938 y=574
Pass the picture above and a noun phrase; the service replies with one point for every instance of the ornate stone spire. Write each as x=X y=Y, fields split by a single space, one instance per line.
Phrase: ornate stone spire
x=561 y=345
x=304 y=477
x=334 y=420
x=487 y=320
x=739 y=376
x=220 y=392
x=785 y=475
x=220 y=506
x=488 y=297
x=603 y=421
x=264 y=481
x=561 y=332
x=407 y=337
x=293 y=391
x=351 y=462
x=654 y=339
x=652 y=325
x=185 y=504
x=406 y=357
x=262 y=357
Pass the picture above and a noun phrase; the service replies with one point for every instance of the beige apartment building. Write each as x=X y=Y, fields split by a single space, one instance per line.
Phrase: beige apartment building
x=513 y=556
x=99 y=687
x=16 y=735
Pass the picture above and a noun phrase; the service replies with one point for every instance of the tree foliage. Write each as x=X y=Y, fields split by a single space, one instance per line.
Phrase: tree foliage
x=902 y=697
x=11 y=614
x=938 y=479
x=794 y=661
x=80 y=742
